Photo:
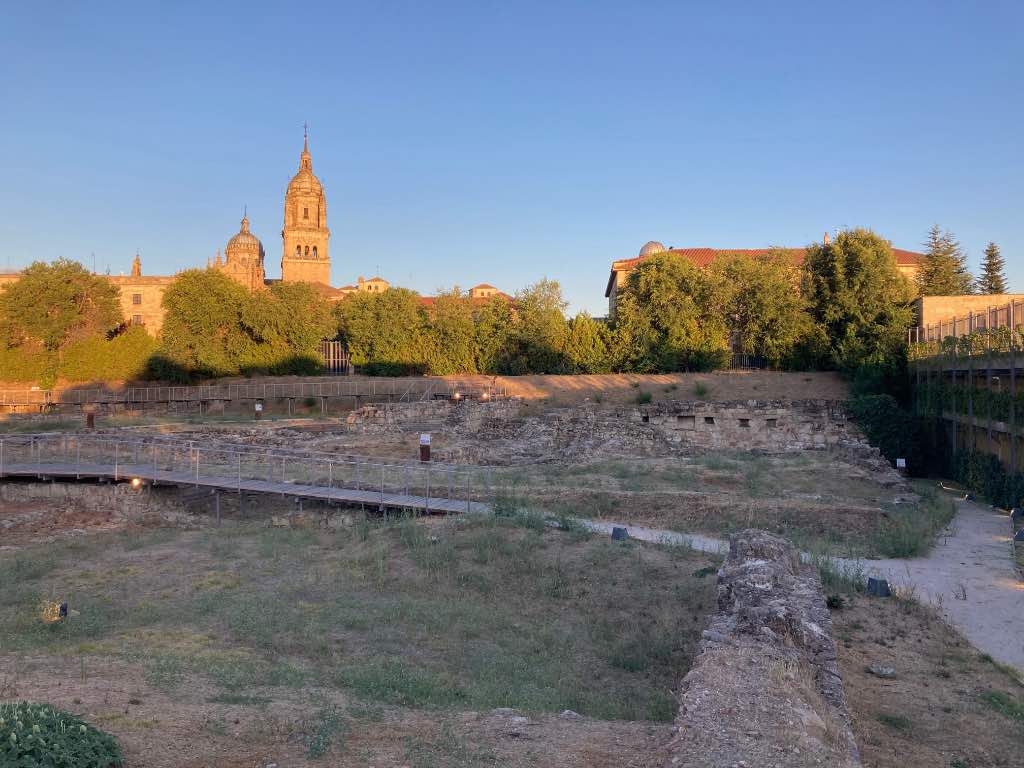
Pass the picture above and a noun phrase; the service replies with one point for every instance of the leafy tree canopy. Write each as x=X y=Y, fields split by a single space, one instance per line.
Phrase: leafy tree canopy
x=670 y=317
x=857 y=298
x=53 y=305
x=383 y=329
x=763 y=307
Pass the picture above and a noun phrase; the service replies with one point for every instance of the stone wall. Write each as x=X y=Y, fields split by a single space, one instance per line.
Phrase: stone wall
x=768 y=425
x=765 y=689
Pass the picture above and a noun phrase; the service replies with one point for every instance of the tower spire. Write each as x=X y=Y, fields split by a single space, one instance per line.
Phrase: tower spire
x=305 y=159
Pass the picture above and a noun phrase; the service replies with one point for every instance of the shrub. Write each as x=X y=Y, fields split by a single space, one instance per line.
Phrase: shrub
x=39 y=735
x=888 y=427
x=643 y=398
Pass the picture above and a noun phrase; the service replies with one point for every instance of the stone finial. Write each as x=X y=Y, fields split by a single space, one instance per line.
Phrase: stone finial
x=136 y=266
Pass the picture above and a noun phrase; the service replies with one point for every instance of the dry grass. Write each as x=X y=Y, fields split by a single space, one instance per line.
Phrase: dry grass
x=424 y=619
x=948 y=704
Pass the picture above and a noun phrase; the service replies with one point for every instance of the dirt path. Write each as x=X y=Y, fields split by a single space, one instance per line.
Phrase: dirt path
x=968 y=576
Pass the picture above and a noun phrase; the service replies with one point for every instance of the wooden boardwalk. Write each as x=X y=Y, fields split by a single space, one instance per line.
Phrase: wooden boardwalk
x=151 y=474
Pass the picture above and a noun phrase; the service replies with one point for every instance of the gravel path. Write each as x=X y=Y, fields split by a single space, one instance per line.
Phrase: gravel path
x=968 y=576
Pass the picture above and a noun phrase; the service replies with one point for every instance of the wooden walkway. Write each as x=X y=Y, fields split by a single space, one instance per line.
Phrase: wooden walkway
x=148 y=473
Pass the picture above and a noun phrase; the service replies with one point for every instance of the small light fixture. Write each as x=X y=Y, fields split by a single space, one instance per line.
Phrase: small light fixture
x=485 y=396
x=136 y=482
x=457 y=396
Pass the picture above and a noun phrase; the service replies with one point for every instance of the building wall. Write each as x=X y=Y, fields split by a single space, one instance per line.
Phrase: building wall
x=932 y=309
x=150 y=293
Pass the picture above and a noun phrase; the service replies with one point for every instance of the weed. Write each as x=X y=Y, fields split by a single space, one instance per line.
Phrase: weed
x=896 y=722
x=835 y=602
x=331 y=733
x=395 y=681
x=707 y=570
x=643 y=397
x=447 y=751
x=164 y=672
x=700 y=390
x=1004 y=704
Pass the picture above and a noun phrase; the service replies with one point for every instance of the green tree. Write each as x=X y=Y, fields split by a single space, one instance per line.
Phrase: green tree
x=538 y=343
x=207 y=326
x=385 y=332
x=449 y=345
x=494 y=329
x=287 y=322
x=586 y=345
x=52 y=305
x=944 y=268
x=858 y=300
x=993 y=271
x=670 y=317
x=764 y=310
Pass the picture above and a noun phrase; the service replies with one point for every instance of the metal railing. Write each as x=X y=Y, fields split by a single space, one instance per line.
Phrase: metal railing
x=232 y=467
x=1009 y=315
x=401 y=389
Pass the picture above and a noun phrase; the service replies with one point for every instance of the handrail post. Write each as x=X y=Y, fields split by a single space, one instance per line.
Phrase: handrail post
x=239 y=471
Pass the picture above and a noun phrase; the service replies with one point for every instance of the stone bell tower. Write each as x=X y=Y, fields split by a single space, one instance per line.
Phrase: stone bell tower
x=305 y=257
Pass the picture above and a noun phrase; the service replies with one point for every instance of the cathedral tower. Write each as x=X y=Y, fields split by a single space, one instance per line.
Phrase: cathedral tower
x=305 y=234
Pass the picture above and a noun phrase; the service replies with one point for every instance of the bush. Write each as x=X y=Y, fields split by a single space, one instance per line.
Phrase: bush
x=983 y=474
x=888 y=427
x=39 y=735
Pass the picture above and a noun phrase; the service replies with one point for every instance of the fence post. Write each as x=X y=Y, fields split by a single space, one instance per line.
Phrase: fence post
x=1 y=458
x=115 y=461
x=239 y=471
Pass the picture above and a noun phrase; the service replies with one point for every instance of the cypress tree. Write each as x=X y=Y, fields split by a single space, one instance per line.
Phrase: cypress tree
x=993 y=276
x=944 y=269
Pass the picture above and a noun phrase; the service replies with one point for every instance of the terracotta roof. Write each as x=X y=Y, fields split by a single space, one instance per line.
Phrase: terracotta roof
x=703 y=257
x=484 y=285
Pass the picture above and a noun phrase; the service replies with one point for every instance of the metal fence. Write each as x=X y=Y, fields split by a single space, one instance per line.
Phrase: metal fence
x=1009 y=315
x=401 y=389
x=230 y=467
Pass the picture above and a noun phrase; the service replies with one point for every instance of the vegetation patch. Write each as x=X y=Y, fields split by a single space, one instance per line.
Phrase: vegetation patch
x=39 y=735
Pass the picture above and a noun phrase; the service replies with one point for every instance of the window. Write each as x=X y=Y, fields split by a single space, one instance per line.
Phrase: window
x=307 y=251
x=745 y=423
x=305 y=213
x=298 y=251
x=136 y=319
x=772 y=423
x=685 y=421
x=314 y=251
x=136 y=299
x=709 y=419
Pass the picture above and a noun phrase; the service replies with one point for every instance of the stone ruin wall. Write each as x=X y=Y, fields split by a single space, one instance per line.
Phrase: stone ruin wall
x=760 y=425
x=767 y=425
x=765 y=689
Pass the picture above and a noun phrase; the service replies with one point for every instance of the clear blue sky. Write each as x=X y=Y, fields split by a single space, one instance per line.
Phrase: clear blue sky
x=505 y=142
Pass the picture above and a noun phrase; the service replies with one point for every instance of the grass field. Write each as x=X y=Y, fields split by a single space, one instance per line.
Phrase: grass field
x=812 y=498
x=408 y=616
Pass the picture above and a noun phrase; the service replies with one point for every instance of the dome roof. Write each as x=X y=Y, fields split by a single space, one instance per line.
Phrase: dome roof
x=243 y=241
x=652 y=247
x=304 y=180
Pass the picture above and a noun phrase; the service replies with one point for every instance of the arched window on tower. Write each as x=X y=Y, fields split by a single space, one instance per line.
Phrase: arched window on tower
x=307 y=251
x=305 y=213
x=298 y=251
x=314 y=251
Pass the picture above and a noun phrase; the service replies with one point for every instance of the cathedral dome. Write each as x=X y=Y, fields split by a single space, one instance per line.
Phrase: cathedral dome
x=245 y=242
x=652 y=247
